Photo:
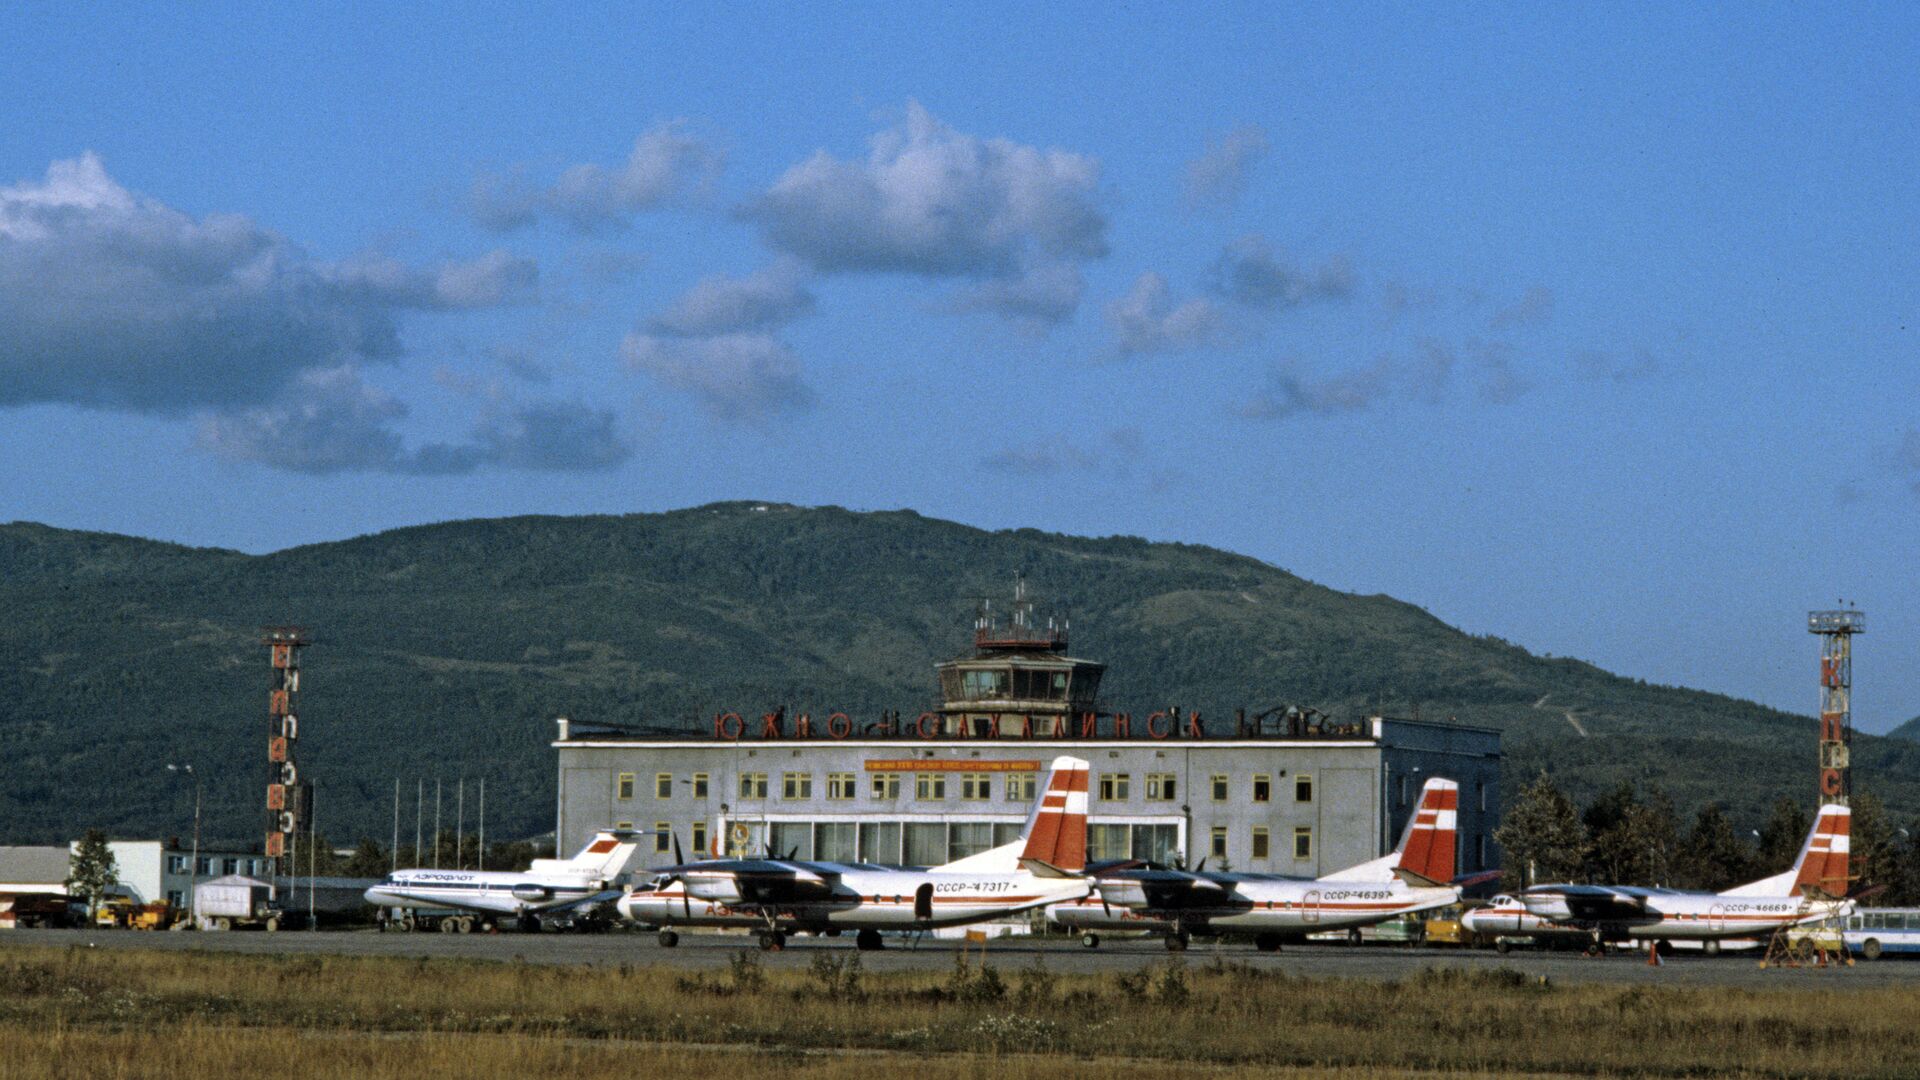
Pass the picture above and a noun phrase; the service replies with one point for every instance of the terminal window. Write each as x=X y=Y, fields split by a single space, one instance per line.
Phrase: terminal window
x=176 y=864
x=796 y=785
x=1020 y=787
x=1262 y=788
x=886 y=785
x=699 y=832
x=753 y=785
x=1303 y=842
x=623 y=824
x=1260 y=842
x=1303 y=788
x=626 y=785
x=976 y=786
x=1160 y=787
x=699 y=785
x=663 y=785
x=663 y=836
x=1113 y=786
x=840 y=785
x=1217 y=847
x=1219 y=787
x=930 y=785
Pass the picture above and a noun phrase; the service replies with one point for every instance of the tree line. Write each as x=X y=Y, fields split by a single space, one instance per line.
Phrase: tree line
x=1624 y=837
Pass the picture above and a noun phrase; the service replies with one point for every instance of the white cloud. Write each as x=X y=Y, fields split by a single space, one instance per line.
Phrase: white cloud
x=1534 y=306
x=113 y=300
x=667 y=163
x=1146 y=319
x=331 y=421
x=1249 y=272
x=739 y=376
x=1219 y=175
x=1112 y=453
x=1289 y=393
x=767 y=298
x=933 y=201
x=1037 y=301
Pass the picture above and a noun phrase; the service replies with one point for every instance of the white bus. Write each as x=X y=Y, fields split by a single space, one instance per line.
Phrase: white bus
x=1874 y=932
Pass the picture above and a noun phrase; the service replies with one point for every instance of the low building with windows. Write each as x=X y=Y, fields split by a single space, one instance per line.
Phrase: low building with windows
x=1295 y=793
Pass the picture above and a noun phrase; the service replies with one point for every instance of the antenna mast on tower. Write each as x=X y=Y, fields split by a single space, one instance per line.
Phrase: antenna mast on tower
x=1836 y=630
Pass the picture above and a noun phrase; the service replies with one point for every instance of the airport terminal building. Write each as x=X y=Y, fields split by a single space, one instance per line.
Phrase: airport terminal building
x=1289 y=792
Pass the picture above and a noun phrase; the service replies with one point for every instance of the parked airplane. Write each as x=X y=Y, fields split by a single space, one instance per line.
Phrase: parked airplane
x=1505 y=917
x=784 y=895
x=549 y=885
x=1416 y=876
x=1813 y=890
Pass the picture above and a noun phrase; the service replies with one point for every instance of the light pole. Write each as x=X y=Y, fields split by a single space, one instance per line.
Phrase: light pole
x=193 y=868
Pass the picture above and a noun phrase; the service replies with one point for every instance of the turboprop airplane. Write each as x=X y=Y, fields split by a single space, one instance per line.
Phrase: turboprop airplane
x=784 y=895
x=1505 y=917
x=1416 y=876
x=1815 y=889
x=549 y=885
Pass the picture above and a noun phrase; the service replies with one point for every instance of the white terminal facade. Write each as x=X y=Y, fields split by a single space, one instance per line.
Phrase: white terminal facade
x=1288 y=792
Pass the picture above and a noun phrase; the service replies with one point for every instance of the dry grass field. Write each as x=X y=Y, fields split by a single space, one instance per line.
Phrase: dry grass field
x=97 y=1013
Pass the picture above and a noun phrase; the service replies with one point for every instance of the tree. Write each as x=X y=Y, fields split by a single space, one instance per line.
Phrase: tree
x=92 y=873
x=1542 y=836
x=1874 y=855
x=1783 y=835
x=1713 y=856
x=369 y=860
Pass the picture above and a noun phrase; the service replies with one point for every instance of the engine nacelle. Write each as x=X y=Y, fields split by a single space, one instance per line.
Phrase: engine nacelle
x=532 y=894
x=716 y=889
x=1122 y=893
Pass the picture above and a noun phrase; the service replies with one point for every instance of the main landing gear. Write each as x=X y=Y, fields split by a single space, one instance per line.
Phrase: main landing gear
x=772 y=941
x=868 y=940
x=1090 y=940
x=1267 y=942
x=1177 y=941
x=668 y=939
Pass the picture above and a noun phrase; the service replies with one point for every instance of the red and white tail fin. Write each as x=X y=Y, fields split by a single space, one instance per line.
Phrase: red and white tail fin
x=604 y=856
x=1427 y=847
x=1823 y=863
x=1056 y=832
x=1425 y=855
x=1055 y=839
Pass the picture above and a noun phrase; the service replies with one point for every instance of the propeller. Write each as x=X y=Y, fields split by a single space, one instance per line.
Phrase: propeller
x=1201 y=867
x=686 y=898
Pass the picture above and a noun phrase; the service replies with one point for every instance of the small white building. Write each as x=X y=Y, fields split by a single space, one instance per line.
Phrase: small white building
x=151 y=870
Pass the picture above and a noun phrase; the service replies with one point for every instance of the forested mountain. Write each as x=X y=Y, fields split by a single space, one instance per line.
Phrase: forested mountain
x=447 y=650
x=1908 y=730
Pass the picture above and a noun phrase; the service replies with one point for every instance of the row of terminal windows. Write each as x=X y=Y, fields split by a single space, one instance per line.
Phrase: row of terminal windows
x=932 y=843
x=976 y=787
x=210 y=864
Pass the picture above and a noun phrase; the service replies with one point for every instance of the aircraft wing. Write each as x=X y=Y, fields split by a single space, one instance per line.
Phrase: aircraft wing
x=1161 y=890
x=756 y=881
x=1585 y=903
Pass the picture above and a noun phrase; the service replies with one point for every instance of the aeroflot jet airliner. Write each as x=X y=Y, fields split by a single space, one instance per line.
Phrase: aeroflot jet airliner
x=1416 y=876
x=1814 y=890
x=783 y=895
x=548 y=885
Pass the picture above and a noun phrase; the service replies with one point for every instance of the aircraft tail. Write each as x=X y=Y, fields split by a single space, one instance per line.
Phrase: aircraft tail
x=1425 y=855
x=1823 y=863
x=1054 y=842
x=604 y=856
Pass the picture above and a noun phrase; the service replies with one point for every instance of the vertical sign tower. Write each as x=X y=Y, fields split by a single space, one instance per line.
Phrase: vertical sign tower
x=286 y=802
x=1836 y=630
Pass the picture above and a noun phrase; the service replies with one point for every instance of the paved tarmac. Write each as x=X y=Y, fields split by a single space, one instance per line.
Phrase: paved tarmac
x=701 y=951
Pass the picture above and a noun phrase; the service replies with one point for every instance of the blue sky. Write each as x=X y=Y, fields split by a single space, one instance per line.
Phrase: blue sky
x=1591 y=327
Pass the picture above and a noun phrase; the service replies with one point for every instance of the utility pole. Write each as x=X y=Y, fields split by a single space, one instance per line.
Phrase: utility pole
x=193 y=868
x=436 y=823
x=460 y=826
x=483 y=824
x=394 y=852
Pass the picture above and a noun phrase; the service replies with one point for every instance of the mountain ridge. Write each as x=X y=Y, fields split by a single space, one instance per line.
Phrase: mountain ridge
x=445 y=649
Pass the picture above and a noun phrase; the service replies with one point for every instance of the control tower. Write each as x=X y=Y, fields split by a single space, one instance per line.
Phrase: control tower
x=1019 y=678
